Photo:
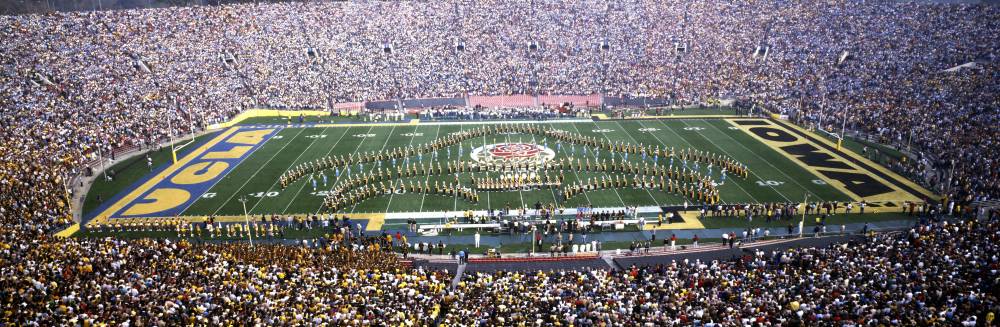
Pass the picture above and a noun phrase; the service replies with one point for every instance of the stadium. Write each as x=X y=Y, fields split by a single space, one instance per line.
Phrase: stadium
x=458 y=163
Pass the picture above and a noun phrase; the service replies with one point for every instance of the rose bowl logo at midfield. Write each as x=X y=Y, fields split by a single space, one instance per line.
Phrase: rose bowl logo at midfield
x=516 y=152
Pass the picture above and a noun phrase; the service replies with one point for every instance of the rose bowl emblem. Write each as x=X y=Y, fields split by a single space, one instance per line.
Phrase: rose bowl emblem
x=516 y=152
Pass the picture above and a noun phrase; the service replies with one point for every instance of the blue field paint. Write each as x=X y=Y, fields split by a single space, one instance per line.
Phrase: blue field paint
x=157 y=169
x=178 y=188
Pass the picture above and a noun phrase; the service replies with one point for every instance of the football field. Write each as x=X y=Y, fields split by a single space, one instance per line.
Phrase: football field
x=241 y=168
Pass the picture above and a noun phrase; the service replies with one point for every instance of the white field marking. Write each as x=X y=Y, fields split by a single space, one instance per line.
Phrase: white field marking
x=179 y=147
x=336 y=179
x=551 y=189
x=265 y=165
x=637 y=141
x=613 y=189
x=623 y=160
x=387 y=138
x=692 y=147
x=765 y=161
x=424 y=196
x=566 y=149
x=493 y=122
x=412 y=135
x=488 y=203
x=455 y=206
x=519 y=193
x=731 y=156
x=240 y=190
x=296 y=196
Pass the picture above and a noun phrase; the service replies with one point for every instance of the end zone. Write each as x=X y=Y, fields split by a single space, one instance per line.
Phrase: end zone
x=171 y=191
x=849 y=173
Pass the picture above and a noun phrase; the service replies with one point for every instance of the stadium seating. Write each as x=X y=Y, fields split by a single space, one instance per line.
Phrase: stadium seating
x=78 y=85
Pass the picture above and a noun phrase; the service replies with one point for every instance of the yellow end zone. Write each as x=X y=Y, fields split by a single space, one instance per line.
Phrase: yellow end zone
x=845 y=175
x=691 y=221
x=870 y=163
x=135 y=193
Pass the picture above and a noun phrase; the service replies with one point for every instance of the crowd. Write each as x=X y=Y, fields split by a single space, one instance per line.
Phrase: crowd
x=92 y=282
x=76 y=86
x=940 y=274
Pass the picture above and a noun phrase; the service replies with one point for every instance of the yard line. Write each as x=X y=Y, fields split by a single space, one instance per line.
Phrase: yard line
x=692 y=146
x=578 y=179
x=614 y=189
x=261 y=199
x=489 y=205
x=292 y=200
x=413 y=135
x=519 y=193
x=455 y=207
x=555 y=201
x=337 y=178
x=355 y=206
x=731 y=156
x=637 y=141
x=658 y=140
x=240 y=189
x=428 y=178
x=765 y=161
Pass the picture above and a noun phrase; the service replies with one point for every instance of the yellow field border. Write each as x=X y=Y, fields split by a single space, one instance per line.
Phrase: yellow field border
x=253 y=113
x=691 y=221
x=888 y=179
x=375 y=220
x=135 y=193
x=868 y=162
x=412 y=122
x=682 y=117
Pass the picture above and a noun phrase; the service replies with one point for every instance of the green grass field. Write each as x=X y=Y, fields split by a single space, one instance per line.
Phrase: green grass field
x=773 y=179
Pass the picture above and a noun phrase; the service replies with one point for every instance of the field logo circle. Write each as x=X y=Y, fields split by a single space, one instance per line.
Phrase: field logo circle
x=512 y=152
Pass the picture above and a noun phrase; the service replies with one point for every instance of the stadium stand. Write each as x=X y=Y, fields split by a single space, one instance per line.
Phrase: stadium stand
x=76 y=85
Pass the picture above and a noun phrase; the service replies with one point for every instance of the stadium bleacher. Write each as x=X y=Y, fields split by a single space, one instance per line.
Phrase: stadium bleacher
x=77 y=85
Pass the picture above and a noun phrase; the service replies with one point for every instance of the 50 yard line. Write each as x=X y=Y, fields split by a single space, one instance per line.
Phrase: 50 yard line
x=374 y=163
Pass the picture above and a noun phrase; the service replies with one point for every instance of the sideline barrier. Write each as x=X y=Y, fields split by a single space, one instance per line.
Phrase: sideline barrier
x=253 y=113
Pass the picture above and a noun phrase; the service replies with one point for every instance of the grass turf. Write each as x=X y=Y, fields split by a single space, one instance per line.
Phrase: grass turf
x=129 y=172
x=256 y=178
